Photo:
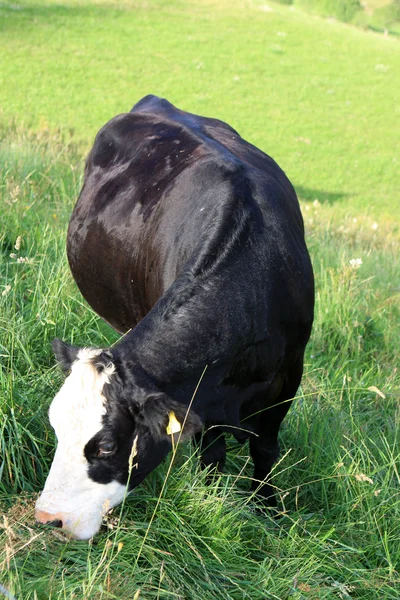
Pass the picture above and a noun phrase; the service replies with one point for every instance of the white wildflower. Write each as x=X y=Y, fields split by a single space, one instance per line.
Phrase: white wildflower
x=356 y=263
x=316 y=202
x=6 y=290
x=13 y=255
x=18 y=243
x=374 y=226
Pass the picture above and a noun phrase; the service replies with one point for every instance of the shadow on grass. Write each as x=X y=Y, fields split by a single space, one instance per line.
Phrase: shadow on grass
x=26 y=15
x=324 y=197
x=383 y=30
x=13 y=13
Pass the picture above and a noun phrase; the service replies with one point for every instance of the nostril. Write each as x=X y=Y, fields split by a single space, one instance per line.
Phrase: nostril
x=52 y=520
x=55 y=523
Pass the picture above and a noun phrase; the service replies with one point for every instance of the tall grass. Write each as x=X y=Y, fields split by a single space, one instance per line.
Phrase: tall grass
x=337 y=478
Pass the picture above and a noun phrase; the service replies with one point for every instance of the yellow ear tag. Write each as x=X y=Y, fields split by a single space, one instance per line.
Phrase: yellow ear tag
x=173 y=425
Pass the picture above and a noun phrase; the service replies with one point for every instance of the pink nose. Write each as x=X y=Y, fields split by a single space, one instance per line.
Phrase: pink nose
x=48 y=519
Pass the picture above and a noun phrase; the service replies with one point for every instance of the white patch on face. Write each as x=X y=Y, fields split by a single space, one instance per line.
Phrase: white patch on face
x=76 y=412
x=76 y=416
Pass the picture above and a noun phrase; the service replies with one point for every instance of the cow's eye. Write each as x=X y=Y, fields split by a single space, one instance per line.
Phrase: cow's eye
x=106 y=449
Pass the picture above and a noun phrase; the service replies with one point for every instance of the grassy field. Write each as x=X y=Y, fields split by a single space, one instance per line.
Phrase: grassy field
x=322 y=99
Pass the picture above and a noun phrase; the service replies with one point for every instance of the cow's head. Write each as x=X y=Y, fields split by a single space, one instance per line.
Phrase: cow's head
x=113 y=427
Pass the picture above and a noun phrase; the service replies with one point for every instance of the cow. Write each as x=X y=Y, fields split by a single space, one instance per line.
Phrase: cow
x=188 y=241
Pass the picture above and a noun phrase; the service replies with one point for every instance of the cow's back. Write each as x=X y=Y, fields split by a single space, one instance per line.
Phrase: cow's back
x=170 y=198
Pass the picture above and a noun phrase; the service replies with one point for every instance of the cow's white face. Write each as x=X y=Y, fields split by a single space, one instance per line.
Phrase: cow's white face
x=113 y=427
x=70 y=495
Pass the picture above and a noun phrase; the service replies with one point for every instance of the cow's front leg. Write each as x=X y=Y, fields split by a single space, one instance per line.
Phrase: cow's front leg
x=264 y=451
x=211 y=443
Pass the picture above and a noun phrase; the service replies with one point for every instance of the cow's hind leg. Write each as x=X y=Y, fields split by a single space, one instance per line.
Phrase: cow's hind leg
x=212 y=448
x=264 y=449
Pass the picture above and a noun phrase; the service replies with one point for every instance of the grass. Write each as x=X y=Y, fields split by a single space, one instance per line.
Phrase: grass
x=321 y=98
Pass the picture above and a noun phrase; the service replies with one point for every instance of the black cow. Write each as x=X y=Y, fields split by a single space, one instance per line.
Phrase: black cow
x=190 y=241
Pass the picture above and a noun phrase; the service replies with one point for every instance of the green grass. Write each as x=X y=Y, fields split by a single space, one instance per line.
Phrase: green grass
x=320 y=97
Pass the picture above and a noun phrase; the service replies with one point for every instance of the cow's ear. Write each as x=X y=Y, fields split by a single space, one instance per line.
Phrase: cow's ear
x=165 y=418
x=65 y=354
